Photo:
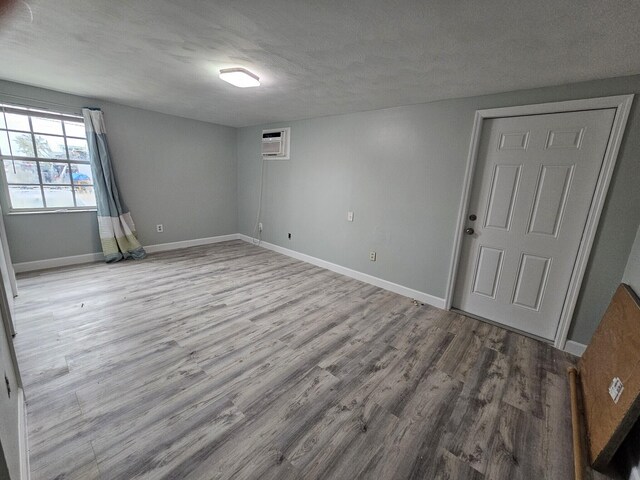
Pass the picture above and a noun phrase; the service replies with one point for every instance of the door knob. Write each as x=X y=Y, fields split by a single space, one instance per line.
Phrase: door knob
x=472 y=217
x=469 y=231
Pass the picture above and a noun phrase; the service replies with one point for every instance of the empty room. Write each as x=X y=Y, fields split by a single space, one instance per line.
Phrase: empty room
x=298 y=239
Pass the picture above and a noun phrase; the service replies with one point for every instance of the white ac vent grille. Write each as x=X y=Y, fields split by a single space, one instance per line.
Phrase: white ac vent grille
x=275 y=143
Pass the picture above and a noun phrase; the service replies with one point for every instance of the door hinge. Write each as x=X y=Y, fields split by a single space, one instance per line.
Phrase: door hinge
x=6 y=380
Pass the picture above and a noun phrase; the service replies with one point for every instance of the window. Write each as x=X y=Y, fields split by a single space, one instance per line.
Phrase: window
x=46 y=161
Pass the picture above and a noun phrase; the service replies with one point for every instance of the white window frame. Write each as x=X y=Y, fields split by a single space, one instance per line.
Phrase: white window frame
x=35 y=112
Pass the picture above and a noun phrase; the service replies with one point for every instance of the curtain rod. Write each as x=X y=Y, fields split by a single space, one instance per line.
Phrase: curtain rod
x=69 y=109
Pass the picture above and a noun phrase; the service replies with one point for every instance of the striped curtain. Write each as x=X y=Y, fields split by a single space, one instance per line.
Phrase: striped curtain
x=117 y=230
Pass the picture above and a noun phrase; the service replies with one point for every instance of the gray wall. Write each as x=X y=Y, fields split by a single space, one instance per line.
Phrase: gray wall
x=171 y=170
x=401 y=170
x=632 y=271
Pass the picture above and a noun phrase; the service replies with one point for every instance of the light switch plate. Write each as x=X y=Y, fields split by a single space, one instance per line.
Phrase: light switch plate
x=349 y=216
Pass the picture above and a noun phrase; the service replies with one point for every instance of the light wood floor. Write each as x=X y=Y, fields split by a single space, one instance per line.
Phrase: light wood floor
x=231 y=361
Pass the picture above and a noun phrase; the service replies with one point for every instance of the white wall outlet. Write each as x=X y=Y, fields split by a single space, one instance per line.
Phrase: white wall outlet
x=349 y=216
x=260 y=227
x=372 y=256
x=615 y=389
x=159 y=228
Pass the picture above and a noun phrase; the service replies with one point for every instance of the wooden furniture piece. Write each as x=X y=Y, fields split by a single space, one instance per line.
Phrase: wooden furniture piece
x=613 y=353
x=578 y=457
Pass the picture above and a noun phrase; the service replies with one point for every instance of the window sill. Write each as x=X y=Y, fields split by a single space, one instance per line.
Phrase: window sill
x=61 y=210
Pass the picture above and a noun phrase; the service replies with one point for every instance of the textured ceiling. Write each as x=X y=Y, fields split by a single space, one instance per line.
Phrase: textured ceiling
x=314 y=57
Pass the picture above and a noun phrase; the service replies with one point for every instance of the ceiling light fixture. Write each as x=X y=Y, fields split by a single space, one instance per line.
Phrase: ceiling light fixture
x=240 y=77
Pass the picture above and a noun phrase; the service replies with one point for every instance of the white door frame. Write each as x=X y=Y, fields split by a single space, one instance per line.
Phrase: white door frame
x=622 y=104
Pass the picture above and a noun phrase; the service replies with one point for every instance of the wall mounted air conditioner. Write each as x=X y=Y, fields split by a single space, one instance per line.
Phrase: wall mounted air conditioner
x=275 y=143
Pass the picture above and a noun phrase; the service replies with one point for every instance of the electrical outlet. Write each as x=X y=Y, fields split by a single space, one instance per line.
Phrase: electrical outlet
x=372 y=256
x=349 y=216
x=159 y=228
x=260 y=227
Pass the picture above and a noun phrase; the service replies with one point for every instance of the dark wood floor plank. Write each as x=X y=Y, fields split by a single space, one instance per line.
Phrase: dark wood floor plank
x=159 y=446
x=516 y=446
x=360 y=440
x=450 y=467
x=413 y=448
x=262 y=436
x=461 y=355
x=524 y=388
x=557 y=437
x=474 y=419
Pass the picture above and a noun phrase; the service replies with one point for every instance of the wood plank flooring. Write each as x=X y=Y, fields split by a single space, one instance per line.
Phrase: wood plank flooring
x=232 y=361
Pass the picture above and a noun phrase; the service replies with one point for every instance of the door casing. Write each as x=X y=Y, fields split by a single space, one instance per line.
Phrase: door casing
x=622 y=104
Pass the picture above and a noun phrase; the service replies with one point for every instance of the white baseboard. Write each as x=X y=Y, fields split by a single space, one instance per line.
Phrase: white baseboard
x=363 y=277
x=25 y=470
x=163 y=247
x=98 y=257
x=57 y=262
x=575 y=348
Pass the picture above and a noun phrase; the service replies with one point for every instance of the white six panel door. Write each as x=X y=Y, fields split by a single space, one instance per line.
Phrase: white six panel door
x=534 y=182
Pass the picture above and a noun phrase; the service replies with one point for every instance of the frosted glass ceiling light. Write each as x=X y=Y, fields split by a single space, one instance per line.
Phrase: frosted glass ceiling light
x=240 y=77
